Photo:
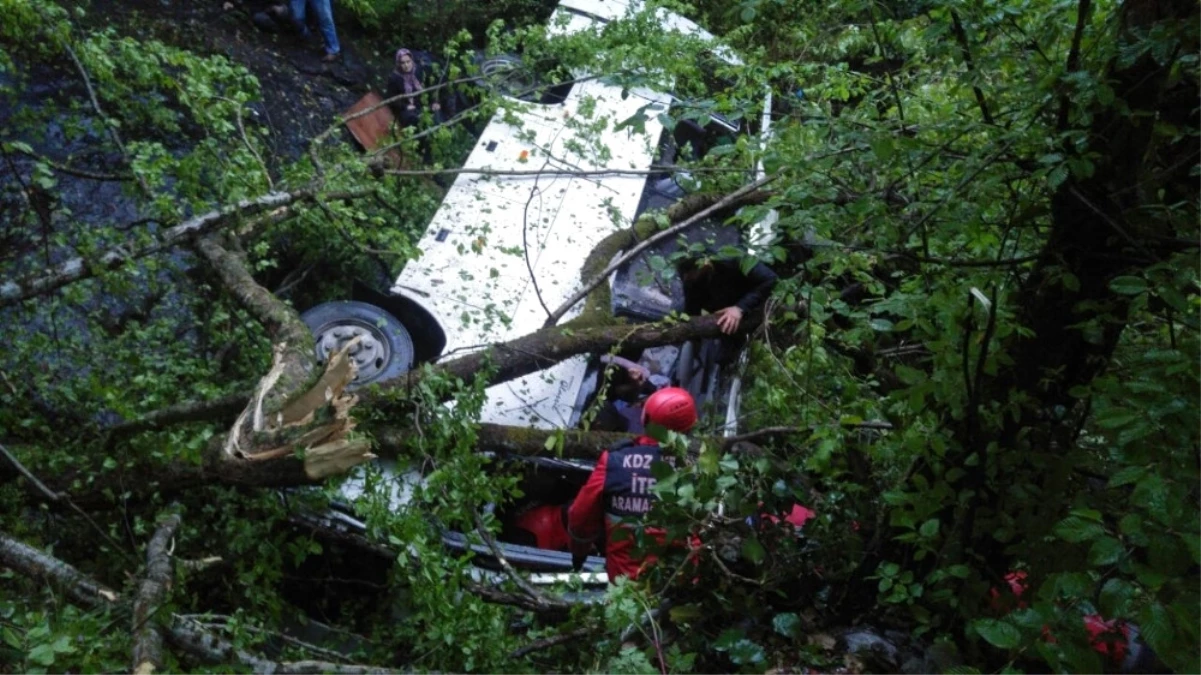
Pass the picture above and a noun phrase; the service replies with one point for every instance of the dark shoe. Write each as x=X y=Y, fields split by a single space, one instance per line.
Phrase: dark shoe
x=330 y=58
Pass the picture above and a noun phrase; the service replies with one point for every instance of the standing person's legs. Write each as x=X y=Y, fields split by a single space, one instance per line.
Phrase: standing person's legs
x=297 y=7
x=325 y=19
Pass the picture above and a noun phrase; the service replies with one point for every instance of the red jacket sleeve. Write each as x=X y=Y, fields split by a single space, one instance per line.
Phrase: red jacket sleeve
x=586 y=517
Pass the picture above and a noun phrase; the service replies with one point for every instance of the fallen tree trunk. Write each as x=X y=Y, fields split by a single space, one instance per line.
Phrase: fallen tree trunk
x=154 y=589
x=293 y=411
x=548 y=346
x=184 y=634
x=281 y=467
x=33 y=563
x=76 y=269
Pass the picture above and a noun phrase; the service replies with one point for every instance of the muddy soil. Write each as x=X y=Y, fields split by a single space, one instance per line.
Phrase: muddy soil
x=300 y=93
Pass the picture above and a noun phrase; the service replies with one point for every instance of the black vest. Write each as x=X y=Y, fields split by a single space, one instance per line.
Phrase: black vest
x=628 y=480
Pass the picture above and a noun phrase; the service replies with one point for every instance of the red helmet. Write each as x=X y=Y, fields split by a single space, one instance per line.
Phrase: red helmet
x=670 y=407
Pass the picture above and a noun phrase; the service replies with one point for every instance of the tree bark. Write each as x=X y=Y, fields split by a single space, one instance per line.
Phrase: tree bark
x=184 y=634
x=283 y=469
x=293 y=411
x=154 y=589
x=76 y=269
x=553 y=344
x=30 y=562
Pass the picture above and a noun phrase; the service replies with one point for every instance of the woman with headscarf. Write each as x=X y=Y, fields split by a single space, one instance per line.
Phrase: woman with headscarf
x=409 y=78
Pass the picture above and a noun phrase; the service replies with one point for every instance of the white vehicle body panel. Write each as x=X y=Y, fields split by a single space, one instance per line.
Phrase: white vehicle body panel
x=503 y=251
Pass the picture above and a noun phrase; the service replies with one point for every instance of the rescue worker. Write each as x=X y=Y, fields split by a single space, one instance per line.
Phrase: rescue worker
x=719 y=286
x=618 y=493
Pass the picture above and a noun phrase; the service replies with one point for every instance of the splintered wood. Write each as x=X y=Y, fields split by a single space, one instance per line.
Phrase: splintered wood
x=315 y=425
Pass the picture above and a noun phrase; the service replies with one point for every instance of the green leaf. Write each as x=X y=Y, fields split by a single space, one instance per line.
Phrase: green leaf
x=1075 y=529
x=1130 y=474
x=1193 y=543
x=909 y=375
x=686 y=613
x=883 y=148
x=728 y=639
x=1117 y=417
x=929 y=528
x=1128 y=285
x=1115 y=595
x=746 y=652
x=998 y=633
x=959 y=571
x=1057 y=176
x=1105 y=551
x=10 y=637
x=43 y=655
x=752 y=550
x=1155 y=625
x=786 y=624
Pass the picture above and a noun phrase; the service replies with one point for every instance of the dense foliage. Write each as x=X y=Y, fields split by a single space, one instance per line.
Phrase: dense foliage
x=984 y=345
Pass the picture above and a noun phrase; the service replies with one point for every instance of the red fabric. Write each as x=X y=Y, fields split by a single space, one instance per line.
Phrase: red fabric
x=586 y=515
x=796 y=516
x=1108 y=638
x=545 y=522
x=1017 y=586
x=586 y=520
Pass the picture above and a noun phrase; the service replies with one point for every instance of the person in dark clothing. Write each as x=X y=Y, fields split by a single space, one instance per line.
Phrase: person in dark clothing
x=273 y=18
x=630 y=384
x=618 y=493
x=718 y=286
x=411 y=78
x=282 y=16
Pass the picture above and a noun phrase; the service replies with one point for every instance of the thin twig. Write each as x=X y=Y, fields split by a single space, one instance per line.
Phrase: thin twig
x=961 y=37
x=1065 y=101
x=537 y=596
x=70 y=170
x=653 y=170
x=731 y=574
x=547 y=643
x=51 y=495
x=112 y=129
x=246 y=141
x=535 y=192
x=60 y=498
x=651 y=241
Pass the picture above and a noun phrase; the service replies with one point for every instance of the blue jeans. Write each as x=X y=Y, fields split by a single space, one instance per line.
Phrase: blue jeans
x=325 y=19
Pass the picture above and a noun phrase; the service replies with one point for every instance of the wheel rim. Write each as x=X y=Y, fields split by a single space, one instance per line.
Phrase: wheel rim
x=370 y=354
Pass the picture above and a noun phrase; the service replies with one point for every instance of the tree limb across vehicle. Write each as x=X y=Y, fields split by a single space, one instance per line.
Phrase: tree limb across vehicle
x=591 y=284
x=550 y=345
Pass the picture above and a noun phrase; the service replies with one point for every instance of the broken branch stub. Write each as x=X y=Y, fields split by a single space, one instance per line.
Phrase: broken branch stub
x=315 y=425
